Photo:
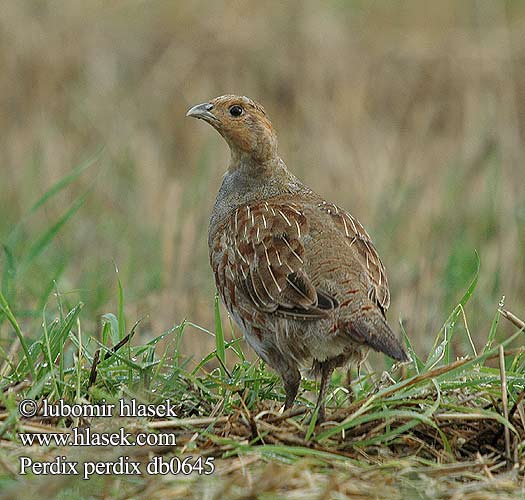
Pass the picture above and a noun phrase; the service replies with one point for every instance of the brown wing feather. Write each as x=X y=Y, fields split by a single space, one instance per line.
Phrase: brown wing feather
x=361 y=243
x=262 y=258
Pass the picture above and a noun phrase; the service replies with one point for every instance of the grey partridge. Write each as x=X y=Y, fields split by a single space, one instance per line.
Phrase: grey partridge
x=299 y=275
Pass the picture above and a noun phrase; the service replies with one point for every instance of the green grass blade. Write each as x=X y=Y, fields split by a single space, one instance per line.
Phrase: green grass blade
x=416 y=360
x=457 y=310
x=53 y=346
x=448 y=328
x=492 y=331
x=47 y=352
x=219 y=337
x=121 y=319
x=45 y=239
x=311 y=425
x=9 y=270
x=114 y=355
x=4 y=306
x=111 y=329
x=66 y=181
x=10 y=265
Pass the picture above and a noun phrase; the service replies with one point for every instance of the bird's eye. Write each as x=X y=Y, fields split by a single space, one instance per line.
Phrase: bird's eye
x=236 y=110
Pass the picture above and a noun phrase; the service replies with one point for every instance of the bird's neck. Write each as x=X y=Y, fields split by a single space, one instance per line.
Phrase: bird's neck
x=255 y=162
x=248 y=181
x=250 y=166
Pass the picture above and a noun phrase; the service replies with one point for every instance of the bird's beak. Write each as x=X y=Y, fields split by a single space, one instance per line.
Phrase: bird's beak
x=202 y=111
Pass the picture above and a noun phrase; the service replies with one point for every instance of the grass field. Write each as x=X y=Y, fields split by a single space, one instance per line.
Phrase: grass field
x=437 y=428
x=411 y=117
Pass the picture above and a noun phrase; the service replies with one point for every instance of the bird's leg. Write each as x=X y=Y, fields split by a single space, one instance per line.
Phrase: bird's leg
x=326 y=374
x=291 y=381
x=349 y=381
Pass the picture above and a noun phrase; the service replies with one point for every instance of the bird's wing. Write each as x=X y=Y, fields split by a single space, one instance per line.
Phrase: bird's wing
x=261 y=256
x=365 y=252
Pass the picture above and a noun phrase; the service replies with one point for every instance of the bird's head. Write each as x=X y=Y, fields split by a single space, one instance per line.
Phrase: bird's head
x=244 y=125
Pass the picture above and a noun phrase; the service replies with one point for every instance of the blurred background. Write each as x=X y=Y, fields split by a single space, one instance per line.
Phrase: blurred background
x=409 y=114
